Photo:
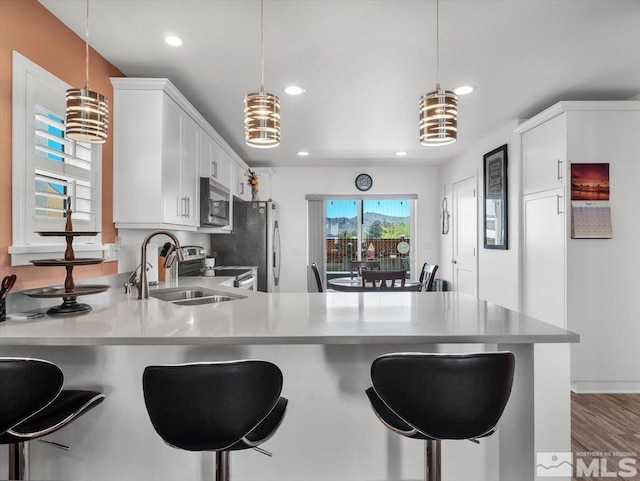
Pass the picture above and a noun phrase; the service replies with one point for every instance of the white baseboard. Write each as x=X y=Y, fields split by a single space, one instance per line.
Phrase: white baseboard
x=584 y=387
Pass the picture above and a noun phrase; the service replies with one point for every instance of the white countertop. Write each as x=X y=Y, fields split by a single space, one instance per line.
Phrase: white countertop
x=283 y=318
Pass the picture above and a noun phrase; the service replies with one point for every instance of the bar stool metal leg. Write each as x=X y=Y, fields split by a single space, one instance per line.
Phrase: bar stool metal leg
x=433 y=455
x=19 y=461
x=222 y=466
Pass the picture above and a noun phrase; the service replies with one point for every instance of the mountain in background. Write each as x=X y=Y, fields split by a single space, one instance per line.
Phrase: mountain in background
x=335 y=225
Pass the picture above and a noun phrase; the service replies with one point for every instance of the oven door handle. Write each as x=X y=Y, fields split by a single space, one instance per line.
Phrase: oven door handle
x=246 y=281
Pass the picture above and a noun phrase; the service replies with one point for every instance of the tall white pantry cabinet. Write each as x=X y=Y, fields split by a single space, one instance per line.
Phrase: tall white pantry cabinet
x=590 y=286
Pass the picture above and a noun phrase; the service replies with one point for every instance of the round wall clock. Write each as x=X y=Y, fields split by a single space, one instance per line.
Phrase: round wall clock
x=364 y=182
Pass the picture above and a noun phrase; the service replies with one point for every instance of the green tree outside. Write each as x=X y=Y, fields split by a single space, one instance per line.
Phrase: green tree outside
x=394 y=231
x=375 y=230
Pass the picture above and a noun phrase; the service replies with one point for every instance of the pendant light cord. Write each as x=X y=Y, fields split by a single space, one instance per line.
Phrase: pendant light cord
x=86 y=50
x=438 y=43
x=261 y=46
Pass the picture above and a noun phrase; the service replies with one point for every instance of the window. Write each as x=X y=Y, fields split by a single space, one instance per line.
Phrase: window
x=342 y=228
x=361 y=229
x=49 y=170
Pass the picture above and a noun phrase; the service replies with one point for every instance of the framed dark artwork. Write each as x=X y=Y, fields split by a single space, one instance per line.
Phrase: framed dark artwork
x=495 y=199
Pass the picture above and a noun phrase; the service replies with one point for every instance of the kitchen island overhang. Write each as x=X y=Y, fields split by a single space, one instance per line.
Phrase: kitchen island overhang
x=324 y=344
x=284 y=318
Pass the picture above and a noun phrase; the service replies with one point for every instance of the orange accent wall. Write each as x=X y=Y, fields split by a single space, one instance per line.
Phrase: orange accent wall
x=29 y=28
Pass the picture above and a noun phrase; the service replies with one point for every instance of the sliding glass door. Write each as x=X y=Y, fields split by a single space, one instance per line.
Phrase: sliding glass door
x=367 y=229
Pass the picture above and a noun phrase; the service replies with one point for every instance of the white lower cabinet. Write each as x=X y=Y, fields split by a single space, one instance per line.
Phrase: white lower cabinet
x=543 y=220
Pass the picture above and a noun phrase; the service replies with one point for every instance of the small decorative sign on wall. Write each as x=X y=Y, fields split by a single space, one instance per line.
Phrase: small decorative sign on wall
x=590 y=209
x=495 y=199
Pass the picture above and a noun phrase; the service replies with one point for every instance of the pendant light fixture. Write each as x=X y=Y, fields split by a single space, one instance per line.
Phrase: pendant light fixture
x=87 y=113
x=262 y=109
x=438 y=109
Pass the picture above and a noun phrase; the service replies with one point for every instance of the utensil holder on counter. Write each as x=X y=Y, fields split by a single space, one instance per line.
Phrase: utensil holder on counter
x=3 y=310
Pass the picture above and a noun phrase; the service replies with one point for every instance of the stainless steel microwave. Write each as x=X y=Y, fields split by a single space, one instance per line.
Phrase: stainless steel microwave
x=214 y=203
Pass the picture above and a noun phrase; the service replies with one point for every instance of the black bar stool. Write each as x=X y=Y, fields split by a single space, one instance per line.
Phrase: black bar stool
x=217 y=406
x=441 y=396
x=33 y=404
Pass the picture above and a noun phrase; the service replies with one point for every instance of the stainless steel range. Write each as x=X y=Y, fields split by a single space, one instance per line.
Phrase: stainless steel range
x=245 y=277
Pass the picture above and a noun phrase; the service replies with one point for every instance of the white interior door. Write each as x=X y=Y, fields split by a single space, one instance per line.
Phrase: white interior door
x=465 y=236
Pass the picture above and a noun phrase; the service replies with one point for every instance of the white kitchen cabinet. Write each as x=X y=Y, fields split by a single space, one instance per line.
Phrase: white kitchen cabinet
x=162 y=146
x=155 y=158
x=239 y=186
x=543 y=220
x=544 y=156
x=589 y=286
x=179 y=167
x=214 y=162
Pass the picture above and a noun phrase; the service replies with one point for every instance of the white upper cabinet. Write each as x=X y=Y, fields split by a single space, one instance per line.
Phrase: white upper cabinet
x=239 y=186
x=162 y=146
x=214 y=160
x=179 y=167
x=544 y=156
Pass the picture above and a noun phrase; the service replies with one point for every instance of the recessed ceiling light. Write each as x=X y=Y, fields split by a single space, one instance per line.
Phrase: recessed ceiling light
x=303 y=153
x=463 y=90
x=173 y=40
x=401 y=153
x=294 y=90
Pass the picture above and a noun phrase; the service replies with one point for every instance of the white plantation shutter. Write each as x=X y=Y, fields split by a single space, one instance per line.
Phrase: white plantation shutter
x=62 y=168
x=49 y=168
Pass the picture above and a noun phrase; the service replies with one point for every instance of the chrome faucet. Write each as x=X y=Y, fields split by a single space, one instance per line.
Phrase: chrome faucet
x=143 y=284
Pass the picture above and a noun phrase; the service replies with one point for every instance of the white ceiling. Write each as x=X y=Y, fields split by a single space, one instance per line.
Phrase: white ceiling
x=365 y=64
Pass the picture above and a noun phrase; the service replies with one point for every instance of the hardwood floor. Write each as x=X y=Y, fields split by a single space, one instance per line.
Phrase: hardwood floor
x=606 y=423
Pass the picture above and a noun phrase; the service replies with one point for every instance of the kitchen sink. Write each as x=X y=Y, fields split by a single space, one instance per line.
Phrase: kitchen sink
x=206 y=300
x=193 y=296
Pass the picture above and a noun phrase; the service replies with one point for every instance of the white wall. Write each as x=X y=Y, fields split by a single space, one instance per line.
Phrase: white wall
x=498 y=270
x=290 y=185
x=603 y=304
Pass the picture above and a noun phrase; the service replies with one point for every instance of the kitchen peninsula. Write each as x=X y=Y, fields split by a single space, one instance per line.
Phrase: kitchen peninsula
x=324 y=344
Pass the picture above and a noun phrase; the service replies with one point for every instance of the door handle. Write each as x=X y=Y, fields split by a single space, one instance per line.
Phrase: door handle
x=454 y=261
x=558 y=211
x=559 y=169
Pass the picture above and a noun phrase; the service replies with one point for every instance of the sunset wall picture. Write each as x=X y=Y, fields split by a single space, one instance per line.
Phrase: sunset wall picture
x=589 y=181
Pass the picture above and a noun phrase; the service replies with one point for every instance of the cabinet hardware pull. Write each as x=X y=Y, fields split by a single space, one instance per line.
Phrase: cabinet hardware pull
x=188 y=206
x=559 y=169
x=558 y=211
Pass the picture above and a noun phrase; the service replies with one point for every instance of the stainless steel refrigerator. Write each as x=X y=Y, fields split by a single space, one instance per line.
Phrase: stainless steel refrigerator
x=254 y=241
